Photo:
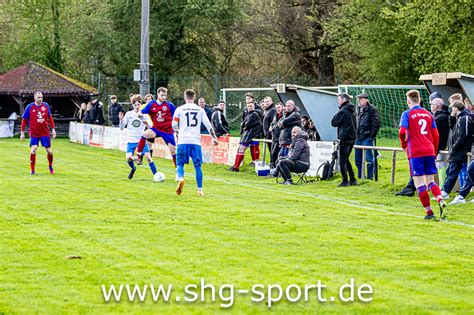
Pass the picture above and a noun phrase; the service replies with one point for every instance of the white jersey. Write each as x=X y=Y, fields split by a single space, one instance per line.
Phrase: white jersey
x=134 y=124
x=187 y=120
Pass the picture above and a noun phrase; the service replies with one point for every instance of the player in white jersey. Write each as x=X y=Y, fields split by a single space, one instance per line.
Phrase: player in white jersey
x=135 y=124
x=186 y=124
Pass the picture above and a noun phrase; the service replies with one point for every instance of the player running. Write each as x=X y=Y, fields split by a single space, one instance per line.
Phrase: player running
x=134 y=122
x=38 y=116
x=187 y=126
x=419 y=138
x=161 y=114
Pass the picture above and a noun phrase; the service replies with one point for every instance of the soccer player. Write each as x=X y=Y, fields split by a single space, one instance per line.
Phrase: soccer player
x=187 y=126
x=38 y=116
x=419 y=138
x=134 y=122
x=161 y=114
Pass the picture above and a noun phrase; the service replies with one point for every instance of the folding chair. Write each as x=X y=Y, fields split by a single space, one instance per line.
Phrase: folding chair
x=302 y=179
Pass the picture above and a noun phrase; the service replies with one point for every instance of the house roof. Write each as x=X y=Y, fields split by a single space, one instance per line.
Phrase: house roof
x=32 y=77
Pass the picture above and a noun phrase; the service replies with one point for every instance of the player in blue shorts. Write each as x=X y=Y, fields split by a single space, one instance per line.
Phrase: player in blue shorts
x=187 y=121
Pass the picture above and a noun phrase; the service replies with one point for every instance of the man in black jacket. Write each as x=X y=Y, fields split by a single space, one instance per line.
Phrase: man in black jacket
x=459 y=145
x=252 y=127
x=368 y=125
x=275 y=131
x=441 y=116
x=97 y=113
x=207 y=109
x=114 y=111
x=255 y=146
x=268 y=114
x=218 y=120
x=292 y=118
x=345 y=121
x=298 y=158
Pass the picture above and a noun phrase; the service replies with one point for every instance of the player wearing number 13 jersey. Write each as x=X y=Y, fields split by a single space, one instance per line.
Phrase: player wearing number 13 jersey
x=419 y=138
x=187 y=126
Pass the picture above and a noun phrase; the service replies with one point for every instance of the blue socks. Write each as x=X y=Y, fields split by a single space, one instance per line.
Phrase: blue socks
x=199 y=176
x=152 y=167
x=180 y=170
x=130 y=163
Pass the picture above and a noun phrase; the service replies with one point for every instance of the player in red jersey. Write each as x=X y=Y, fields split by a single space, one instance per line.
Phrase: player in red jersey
x=419 y=138
x=161 y=113
x=38 y=116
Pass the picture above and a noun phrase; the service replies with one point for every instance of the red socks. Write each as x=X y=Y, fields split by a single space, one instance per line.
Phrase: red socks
x=436 y=191
x=238 y=159
x=424 y=197
x=32 y=162
x=141 y=145
x=50 y=159
x=257 y=152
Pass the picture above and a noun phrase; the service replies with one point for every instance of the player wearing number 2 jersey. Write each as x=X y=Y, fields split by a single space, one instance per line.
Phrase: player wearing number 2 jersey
x=187 y=121
x=419 y=138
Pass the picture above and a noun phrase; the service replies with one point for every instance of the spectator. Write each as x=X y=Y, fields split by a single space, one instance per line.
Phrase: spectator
x=368 y=125
x=148 y=98
x=275 y=131
x=97 y=113
x=218 y=120
x=305 y=123
x=268 y=115
x=312 y=132
x=466 y=188
x=81 y=112
x=254 y=146
x=298 y=158
x=409 y=189
x=292 y=118
x=130 y=97
x=441 y=116
x=459 y=145
x=252 y=127
x=345 y=121
x=88 y=114
x=207 y=109
x=114 y=111
x=468 y=105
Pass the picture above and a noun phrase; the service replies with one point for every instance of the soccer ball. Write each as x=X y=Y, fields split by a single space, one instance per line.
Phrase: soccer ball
x=158 y=177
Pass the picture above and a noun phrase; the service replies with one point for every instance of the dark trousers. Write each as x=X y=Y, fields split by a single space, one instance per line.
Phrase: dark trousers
x=345 y=149
x=275 y=151
x=286 y=166
x=468 y=180
x=454 y=168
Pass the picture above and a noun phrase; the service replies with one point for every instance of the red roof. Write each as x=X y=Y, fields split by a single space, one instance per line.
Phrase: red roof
x=32 y=77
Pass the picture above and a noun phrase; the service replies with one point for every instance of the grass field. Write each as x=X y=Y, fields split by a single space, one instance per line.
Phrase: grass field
x=245 y=231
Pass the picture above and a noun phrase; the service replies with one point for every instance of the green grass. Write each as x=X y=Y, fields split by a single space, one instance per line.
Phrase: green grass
x=246 y=230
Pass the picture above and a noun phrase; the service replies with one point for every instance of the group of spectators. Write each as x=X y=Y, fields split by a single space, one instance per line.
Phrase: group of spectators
x=92 y=113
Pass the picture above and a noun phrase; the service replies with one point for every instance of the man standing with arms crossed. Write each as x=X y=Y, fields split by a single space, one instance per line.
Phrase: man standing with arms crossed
x=38 y=116
x=419 y=138
x=186 y=124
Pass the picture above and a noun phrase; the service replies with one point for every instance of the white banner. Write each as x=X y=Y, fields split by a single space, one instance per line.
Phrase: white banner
x=320 y=152
x=6 y=128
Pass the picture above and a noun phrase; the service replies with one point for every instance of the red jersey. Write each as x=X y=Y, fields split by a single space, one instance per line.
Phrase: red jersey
x=161 y=115
x=418 y=133
x=38 y=118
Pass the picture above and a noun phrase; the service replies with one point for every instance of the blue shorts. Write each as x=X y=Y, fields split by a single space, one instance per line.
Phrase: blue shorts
x=186 y=151
x=167 y=137
x=249 y=144
x=425 y=165
x=132 y=146
x=45 y=141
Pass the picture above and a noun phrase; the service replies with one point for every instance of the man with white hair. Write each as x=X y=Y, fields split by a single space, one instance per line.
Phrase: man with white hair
x=441 y=116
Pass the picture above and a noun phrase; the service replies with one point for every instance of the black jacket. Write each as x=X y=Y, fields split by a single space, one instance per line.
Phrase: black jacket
x=299 y=148
x=258 y=109
x=345 y=121
x=219 y=122
x=461 y=139
x=251 y=126
x=268 y=115
x=368 y=122
x=97 y=114
x=208 y=111
x=290 y=120
x=88 y=117
x=114 y=111
x=275 y=128
x=442 y=123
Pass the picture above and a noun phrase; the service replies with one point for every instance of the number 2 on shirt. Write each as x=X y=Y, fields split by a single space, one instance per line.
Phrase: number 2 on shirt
x=423 y=124
x=193 y=121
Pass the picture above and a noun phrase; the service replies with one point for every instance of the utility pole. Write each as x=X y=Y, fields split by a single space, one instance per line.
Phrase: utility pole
x=145 y=49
